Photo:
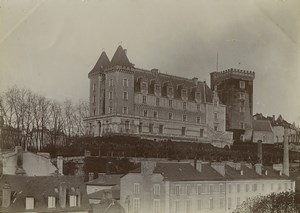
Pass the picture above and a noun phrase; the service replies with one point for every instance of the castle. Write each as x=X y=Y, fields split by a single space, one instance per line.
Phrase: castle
x=125 y=100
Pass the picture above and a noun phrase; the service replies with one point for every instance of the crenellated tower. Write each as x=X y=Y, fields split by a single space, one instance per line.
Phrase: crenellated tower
x=235 y=89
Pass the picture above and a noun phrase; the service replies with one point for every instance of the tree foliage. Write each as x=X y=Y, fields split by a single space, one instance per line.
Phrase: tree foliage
x=273 y=203
x=34 y=120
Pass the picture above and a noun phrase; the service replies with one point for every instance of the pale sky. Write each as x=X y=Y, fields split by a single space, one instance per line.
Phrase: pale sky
x=50 y=46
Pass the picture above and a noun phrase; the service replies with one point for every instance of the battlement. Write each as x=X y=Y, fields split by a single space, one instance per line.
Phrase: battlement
x=233 y=73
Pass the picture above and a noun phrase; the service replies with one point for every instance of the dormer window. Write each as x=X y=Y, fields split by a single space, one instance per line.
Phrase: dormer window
x=170 y=90
x=29 y=203
x=143 y=87
x=198 y=96
x=242 y=84
x=157 y=88
x=51 y=202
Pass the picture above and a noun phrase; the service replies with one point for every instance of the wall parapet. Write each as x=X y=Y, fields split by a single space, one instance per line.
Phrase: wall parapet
x=229 y=73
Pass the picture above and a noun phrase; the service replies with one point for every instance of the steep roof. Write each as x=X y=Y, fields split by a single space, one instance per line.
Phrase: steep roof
x=107 y=180
x=250 y=173
x=120 y=58
x=101 y=64
x=262 y=125
x=184 y=172
x=99 y=195
x=40 y=187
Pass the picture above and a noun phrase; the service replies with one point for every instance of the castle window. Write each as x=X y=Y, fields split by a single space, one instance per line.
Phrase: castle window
x=94 y=112
x=242 y=84
x=183 y=130
x=221 y=203
x=198 y=107
x=264 y=138
x=157 y=88
x=242 y=95
x=144 y=99
x=111 y=82
x=144 y=86
x=184 y=117
x=110 y=95
x=201 y=133
x=125 y=110
x=242 y=125
x=94 y=87
x=184 y=105
x=110 y=110
x=151 y=128
x=51 y=202
x=242 y=107
x=216 y=116
x=177 y=206
x=127 y=125
x=140 y=127
x=157 y=101
x=125 y=82
x=170 y=115
x=170 y=103
x=238 y=188
x=94 y=99
x=170 y=90
x=229 y=203
x=161 y=128
x=155 y=114
x=125 y=95
x=198 y=120
x=183 y=93
x=145 y=113
x=216 y=127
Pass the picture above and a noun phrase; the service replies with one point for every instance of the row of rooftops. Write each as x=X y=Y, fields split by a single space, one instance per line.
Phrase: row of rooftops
x=204 y=171
x=275 y=122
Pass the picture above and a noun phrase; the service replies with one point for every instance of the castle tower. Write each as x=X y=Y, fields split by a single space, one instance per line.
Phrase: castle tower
x=235 y=89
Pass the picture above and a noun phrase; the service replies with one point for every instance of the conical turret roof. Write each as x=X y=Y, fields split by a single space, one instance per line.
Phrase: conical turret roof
x=120 y=58
x=101 y=64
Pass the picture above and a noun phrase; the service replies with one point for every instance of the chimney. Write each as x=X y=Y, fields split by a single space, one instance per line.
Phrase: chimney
x=286 y=164
x=60 y=165
x=91 y=176
x=198 y=165
x=6 y=196
x=219 y=167
x=195 y=80
x=62 y=194
x=147 y=167
x=273 y=117
x=258 y=168
x=78 y=194
x=102 y=177
x=259 y=151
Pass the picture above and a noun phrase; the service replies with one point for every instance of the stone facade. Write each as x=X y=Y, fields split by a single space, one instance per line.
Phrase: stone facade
x=202 y=187
x=235 y=90
x=149 y=104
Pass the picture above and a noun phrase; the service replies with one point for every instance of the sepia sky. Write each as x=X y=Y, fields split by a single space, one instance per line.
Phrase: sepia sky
x=50 y=46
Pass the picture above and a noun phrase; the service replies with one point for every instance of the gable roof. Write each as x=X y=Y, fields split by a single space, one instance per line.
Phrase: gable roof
x=250 y=173
x=184 y=172
x=40 y=187
x=102 y=63
x=107 y=180
x=262 y=125
x=120 y=58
